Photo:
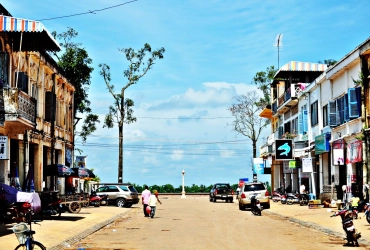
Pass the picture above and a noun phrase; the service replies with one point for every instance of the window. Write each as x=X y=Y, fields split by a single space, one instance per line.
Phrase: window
x=325 y=116
x=314 y=114
x=294 y=126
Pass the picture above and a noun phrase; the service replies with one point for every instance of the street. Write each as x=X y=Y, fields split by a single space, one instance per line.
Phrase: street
x=196 y=223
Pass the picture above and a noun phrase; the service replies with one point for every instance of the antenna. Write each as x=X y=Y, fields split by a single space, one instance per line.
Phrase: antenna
x=278 y=44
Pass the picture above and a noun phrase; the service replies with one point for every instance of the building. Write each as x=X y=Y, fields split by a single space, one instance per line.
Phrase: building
x=36 y=107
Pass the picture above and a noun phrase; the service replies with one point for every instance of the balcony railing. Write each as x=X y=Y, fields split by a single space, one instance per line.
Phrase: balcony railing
x=18 y=104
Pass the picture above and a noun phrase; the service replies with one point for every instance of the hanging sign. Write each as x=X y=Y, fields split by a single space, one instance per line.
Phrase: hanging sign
x=354 y=152
x=284 y=150
x=3 y=147
x=307 y=165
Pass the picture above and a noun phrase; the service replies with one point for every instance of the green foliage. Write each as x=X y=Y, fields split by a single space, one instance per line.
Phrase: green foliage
x=263 y=79
x=328 y=62
x=361 y=79
x=76 y=65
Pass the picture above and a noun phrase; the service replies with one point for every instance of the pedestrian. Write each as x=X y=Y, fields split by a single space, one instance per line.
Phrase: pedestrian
x=302 y=189
x=153 y=202
x=145 y=195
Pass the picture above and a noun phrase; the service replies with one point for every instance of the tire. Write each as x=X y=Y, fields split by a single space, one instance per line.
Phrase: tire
x=36 y=246
x=86 y=204
x=120 y=202
x=74 y=207
x=103 y=203
x=214 y=199
x=275 y=198
x=289 y=200
x=210 y=199
x=129 y=205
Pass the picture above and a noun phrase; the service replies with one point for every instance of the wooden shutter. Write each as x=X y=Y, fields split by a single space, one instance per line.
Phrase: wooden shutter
x=332 y=113
x=352 y=103
x=50 y=106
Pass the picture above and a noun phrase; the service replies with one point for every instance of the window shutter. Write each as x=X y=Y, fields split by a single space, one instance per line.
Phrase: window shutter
x=352 y=103
x=346 y=109
x=332 y=116
x=281 y=132
x=305 y=121
x=358 y=95
x=50 y=106
x=300 y=123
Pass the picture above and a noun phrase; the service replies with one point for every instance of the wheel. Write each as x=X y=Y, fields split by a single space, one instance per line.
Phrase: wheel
x=86 y=204
x=289 y=200
x=368 y=218
x=74 y=207
x=103 y=203
x=36 y=246
x=120 y=202
x=275 y=198
x=97 y=204
x=210 y=199
x=214 y=199
x=129 y=205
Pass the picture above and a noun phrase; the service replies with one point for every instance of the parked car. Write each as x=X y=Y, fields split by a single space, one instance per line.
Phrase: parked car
x=121 y=194
x=221 y=191
x=249 y=189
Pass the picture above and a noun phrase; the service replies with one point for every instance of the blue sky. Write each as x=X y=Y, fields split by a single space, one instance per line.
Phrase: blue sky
x=213 y=50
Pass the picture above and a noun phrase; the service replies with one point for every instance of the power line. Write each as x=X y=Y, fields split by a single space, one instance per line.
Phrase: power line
x=88 y=12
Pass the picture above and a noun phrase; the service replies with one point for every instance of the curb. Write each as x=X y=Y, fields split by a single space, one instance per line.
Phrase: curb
x=72 y=240
x=314 y=226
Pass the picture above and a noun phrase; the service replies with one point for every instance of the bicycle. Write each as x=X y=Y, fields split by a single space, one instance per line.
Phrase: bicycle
x=25 y=236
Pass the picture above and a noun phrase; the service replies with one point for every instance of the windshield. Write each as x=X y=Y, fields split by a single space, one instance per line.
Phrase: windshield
x=254 y=187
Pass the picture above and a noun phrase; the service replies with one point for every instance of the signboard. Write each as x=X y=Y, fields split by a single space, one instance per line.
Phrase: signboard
x=322 y=144
x=307 y=165
x=354 y=152
x=258 y=166
x=81 y=161
x=338 y=152
x=283 y=150
x=3 y=147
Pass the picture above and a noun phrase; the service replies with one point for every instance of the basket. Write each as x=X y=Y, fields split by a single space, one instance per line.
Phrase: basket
x=19 y=230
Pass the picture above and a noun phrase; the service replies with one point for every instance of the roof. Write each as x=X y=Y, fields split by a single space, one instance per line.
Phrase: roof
x=27 y=35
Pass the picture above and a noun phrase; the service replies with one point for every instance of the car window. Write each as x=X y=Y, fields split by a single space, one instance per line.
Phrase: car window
x=112 y=189
x=124 y=188
x=132 y=189
x=101 y=189
x=254 y=187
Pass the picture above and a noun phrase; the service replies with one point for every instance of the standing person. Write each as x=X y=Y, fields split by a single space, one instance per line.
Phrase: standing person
x=145 y=195
x=302 y=189
x=153 y=202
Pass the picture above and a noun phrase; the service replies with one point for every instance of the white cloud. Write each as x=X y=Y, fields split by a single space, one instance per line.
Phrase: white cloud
x=177 y=155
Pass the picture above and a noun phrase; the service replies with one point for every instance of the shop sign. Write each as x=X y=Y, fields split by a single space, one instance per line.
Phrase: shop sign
x=354 y=152
x=292 y=164
x=307 y=165
x=3 y=147
x=283 y=150
x=338 y=152
x=321 y=144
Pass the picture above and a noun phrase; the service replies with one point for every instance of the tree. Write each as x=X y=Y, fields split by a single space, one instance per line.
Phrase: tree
x=247 y=120
x=121 y=112
x=76 y=65
x=263 y=80
x=328 y=62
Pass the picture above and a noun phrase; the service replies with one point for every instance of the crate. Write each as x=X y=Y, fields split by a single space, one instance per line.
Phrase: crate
x=19 y=230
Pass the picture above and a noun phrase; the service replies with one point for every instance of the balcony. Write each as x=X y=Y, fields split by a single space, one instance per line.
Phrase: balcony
x=19 y=108
x=287 y=100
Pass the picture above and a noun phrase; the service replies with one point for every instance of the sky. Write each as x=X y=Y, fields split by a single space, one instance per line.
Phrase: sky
x=213 y=50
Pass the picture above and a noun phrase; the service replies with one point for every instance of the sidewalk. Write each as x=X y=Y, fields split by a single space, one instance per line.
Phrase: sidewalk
x=58 y=233
x=319 y=219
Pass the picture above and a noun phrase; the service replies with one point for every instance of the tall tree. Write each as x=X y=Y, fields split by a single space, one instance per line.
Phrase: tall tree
x=247 y=120
x=76 y=64
x=140 y=62
x=263 y=80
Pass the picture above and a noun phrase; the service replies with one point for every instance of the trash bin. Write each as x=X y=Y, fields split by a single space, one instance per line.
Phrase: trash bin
x=311 y=197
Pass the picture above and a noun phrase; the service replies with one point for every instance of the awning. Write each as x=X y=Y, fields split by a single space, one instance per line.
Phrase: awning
x=57 y=170
x=32 y=35
x=83 y=172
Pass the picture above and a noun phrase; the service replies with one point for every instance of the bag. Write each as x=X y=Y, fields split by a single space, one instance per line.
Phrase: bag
x=148 y=209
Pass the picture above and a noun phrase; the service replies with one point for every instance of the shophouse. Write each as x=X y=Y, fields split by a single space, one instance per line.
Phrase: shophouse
x=331 y=138
x=36 y=107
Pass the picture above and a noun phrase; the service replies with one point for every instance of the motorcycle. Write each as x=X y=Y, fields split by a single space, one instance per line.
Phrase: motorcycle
x=352 y=235
x=97 y=200
x=367 y=212
x=16 y=211
x=292 y=198
x=277 y=195
x=283 y=198
x=51 y=203
x=256 y=205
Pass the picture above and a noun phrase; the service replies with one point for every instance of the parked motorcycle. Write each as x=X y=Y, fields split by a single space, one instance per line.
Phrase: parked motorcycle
x=14 y=211
x=352 y=235
x=255 y=205
x=277 y=195
x=51 y=204
x=292 y=198
x=367 y=212
x=283 y=198
x=97 y=200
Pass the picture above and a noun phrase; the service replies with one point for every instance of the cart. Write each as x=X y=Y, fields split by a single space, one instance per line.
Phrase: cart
x=74 y=202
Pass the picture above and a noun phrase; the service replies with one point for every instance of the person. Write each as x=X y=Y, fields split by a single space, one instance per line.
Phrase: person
x=145 y=195
x=153 y=202
x=302 y=189
x=354 y=202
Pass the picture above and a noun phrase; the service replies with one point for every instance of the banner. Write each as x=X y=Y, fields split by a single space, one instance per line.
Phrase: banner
x=354 y=152
x=258 y=166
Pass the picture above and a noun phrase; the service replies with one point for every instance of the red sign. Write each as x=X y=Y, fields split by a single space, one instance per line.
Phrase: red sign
x=241 y=182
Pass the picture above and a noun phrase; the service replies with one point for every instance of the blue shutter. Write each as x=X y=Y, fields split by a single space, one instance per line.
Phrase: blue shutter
x=346 y=110
x=352 y=103
x=340 y=111
x=332 y=116
x=305 y=121
x=281 y=132
x=300 y=123
x=359 y=102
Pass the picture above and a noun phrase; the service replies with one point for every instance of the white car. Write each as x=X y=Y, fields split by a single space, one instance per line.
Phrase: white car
x=249 y=189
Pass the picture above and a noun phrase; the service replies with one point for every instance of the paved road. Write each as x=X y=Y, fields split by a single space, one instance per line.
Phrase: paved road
x=196 y=223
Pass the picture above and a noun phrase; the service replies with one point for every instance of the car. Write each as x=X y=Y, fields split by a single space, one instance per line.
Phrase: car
x=221 y=191
x=121 y=194
x=251 y=188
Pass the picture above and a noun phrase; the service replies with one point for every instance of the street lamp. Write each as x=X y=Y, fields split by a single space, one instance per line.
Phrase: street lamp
x=183 y=184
